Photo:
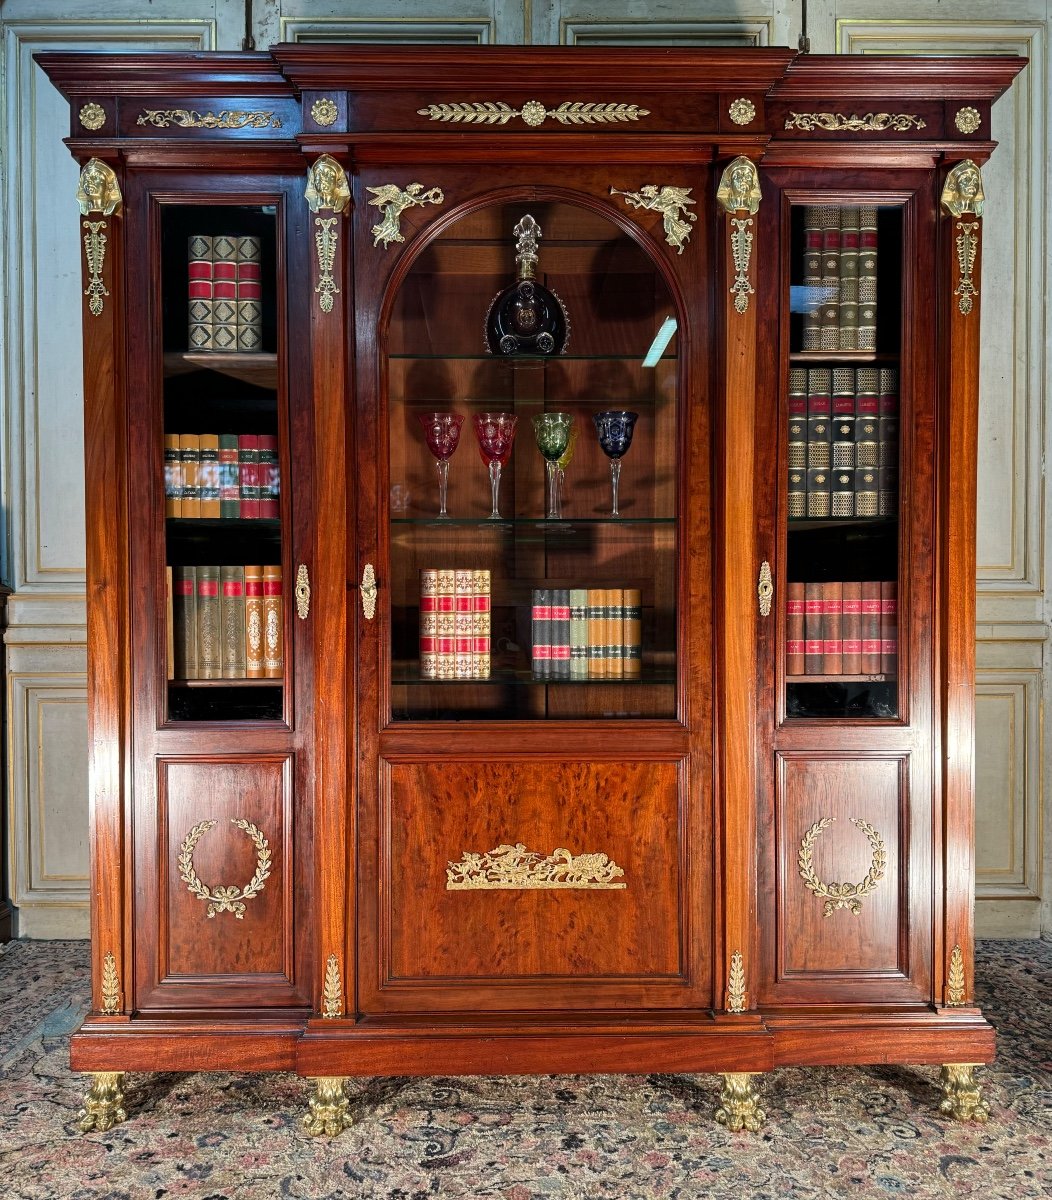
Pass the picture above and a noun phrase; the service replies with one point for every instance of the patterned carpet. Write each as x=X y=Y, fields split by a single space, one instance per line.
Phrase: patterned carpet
x=866 y=1133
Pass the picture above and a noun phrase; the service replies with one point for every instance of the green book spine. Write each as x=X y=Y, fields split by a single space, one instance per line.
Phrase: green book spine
x=209 y=625
x=229 y=476
x=578 y=633
x=232 y=583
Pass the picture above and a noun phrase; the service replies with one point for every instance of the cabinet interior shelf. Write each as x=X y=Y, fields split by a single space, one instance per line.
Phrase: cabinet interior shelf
x=190 y=524
x=509 y=678
x=804 y=523
x=845 y=356
x=225 y=683
x=860 y=678
x=565 y=525
x=259 y=369
x=522 y=360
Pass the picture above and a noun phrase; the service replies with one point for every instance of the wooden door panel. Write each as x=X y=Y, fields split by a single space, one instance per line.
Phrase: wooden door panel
x=225 y=881
x=463 y=847
x=842 y=896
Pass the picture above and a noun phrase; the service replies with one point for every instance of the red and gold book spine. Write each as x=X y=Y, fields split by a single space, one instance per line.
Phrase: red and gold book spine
x=428 y=623
x=852 y=627
x=632 y=638
x=814 y=628
x=248 y=473
x=255 y=624
x=446 y=649
x=794 y=629
x=249 y=295
x=199 y=253
x=224 y=291
x=480 y=623
x=173 y=476
x=208 y=475
x=190 y=457
x=268 y=476
x=273 y=624
x=889 y=628
x=870 y=627
x=832 y=628
x=209 y=624
x=541 y=633
x=464 y=613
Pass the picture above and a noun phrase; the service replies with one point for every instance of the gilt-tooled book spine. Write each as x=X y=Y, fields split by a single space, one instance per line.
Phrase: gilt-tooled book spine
x=255 y=622
x=173 y=476
x=229 y=477
x=819 y=496
x=184 y=621
x=842 y=432
x=429 y=623
x=852 y=627
x=269 y=485
x=870 y=627
x=224 y=292
x=829 y=330
x=208 y=475
x=578 y=633
x=889 y=627
x=596 y=633
x=190 y=457
x=446 y=605
x=248 y=473
x=560 y=633
x=209 y=624
x=797 y=493
x=888 y=418
x=463 y=624
x=842 y=492
x=867 y=420
x=169 y=596
x=812 y=279
x=814 y=628
x=249 y=295
x=542 y=633
x=232 y=586
x=832 y=628
x=819 y=417
x=199 y=254
x=867 y=501
x=867 y=278
x=615 y=623
x=849 y=234
x=794 y=629
x=632 y=639
x=273 y=624
x=480 y=622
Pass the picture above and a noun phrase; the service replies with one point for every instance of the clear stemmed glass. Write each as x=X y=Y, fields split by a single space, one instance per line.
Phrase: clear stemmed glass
x=442 y=431
x=495 y=432
x=615 y=436
x=560 y=469
x=552 y=431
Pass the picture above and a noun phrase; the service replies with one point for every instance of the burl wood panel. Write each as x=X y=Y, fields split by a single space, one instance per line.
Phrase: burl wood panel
x=867 y=942
x=258 y=791
x=628 y=811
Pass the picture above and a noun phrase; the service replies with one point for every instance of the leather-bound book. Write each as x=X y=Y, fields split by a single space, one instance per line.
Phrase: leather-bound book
x=464 y=624
x=209 y=624
x=232 y=587
x=889 y=628
x=866 y=499
x=184 y=621
x=578 y=633
x=596 y=633
x=867 y=421
x=842 y=492
x=797 y=418
x=842 y=428
x=887 y=491
x=248 y=473
x=208 y=475
x=542 y=633
x=812 y=279
x=190 y=456
x=852 y=627
x=848 y=320
x=818 y=492
x=829 y=326
x=273 y=624
x=169 y=595
x=632 y=638
x=871 y=627
x=832 y=628
x=269 y=476
x=888 y=426
x=615 y=622
x=819 y=415
x=814 y=628
x=481 y=604
x=445 y=606
x=797 y=494
x=794 y=629
x=249 y=295
x=199 y=254
x=229 y=476
x=255 y=623
x=867 y=278
x=224 y=292
x=173 y=476
x=560 y=633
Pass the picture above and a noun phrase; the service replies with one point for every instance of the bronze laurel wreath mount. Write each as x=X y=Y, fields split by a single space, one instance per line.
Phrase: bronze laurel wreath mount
x=225 y=898
x=842 y=895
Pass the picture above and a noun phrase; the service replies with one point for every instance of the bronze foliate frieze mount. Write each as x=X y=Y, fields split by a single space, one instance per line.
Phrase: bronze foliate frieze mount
x=227 y=118
x=853 y=123
x=533 y=113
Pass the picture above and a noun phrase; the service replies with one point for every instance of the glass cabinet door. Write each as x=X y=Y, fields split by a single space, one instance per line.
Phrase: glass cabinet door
x=842 y=499
x=518 y=591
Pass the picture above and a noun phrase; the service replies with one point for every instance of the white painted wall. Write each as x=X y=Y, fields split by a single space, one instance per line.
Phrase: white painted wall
x=41 y=536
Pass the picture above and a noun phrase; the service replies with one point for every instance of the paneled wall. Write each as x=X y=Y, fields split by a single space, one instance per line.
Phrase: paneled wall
x=41 y=538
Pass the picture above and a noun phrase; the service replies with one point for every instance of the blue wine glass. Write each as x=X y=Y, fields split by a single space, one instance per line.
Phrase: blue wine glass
x=615 y=428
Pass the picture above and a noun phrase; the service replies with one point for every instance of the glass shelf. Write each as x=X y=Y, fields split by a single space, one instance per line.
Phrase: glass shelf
x=224 y=683
x=844 y=356
x=511 y=678
x=554 y=524
x=525 y=360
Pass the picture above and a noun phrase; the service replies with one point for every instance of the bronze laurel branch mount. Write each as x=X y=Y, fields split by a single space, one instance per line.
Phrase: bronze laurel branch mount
x=841 y=895
x=533 y=113
x=225 y=898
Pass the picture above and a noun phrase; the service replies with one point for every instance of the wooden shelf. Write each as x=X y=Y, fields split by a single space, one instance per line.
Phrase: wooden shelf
x=225 y=683
x=862 y=678
x=258 y=369
x=842 y=356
